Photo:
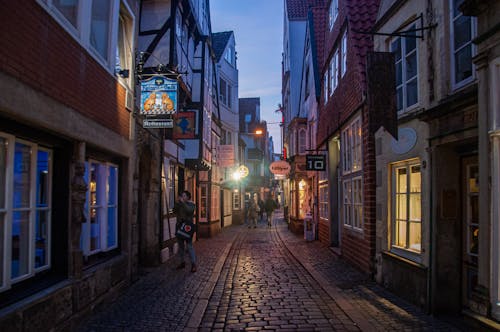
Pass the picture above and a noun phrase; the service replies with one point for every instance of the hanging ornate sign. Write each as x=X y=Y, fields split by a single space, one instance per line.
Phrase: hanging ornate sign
x=158 y=96
x=280 y=167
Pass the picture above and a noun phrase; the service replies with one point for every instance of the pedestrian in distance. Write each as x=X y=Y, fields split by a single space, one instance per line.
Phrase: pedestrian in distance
x=260 y=202
x=253 y=211
x=184 y=210
x=270 y=205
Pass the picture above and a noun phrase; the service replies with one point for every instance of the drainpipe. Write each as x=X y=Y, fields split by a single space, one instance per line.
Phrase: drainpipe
x=430 y=269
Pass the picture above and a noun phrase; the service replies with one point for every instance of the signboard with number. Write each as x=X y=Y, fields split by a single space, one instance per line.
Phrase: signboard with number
x=315 y=162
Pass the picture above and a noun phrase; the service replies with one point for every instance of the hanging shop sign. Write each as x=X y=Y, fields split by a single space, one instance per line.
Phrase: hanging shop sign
x=280 y=167
x=158 y=123
x=184 y=125
x=315 y=162
x=243 y=170
x=159 y=96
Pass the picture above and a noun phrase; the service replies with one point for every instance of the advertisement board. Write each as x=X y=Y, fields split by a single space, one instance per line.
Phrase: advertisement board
x=158 y=96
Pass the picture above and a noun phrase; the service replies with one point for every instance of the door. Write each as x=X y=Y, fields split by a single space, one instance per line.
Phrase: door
x=470 y=229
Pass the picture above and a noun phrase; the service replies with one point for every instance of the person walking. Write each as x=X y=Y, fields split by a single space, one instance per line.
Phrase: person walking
x=184 y=210
x=253 y=211
x=260 y=202
x=270 y=205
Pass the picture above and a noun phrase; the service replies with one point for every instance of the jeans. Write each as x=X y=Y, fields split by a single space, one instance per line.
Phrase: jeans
x=269 y=216
x=190 y=250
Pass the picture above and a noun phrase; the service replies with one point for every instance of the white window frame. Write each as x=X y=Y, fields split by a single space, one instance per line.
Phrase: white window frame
x=6 y=280
x=343 y=65
x=406 y=252
x=81 y=33
x=334 y=71
x=453 y=51
x=402 y=61
x=352 y=146
x=325 y=86
x=352 y=203
x=324 y=203
x=333 y=13
x=103 y=206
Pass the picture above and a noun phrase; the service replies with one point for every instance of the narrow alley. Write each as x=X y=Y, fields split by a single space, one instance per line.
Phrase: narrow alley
x=252 y=280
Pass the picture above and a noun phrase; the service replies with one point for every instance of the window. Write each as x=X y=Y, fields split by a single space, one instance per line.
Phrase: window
x=323 y=200
x=100 y=231
x=333 y=12
x=344 y=53
x=351 y=147
x=462 y=32
x=203 y=202
x=353 y=203
x=228 y=55
x=25 y=209
x=94 y=23
x=334 y=71
x=405 y=50
x=407 y=207
x=223 y=91
x=325 y=86
x=302 y=141
x=236 y=200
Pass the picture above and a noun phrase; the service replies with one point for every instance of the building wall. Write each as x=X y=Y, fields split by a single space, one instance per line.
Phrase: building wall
x=56 y=95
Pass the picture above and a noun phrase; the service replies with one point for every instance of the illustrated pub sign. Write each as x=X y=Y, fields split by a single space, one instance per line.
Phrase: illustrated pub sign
x=159 y=96
x=315 y=162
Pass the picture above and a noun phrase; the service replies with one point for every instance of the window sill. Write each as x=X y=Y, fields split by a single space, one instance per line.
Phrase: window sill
x=406 y=257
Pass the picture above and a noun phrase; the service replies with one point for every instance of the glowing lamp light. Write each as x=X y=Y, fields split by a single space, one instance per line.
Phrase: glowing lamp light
x=237 y=175
x=259 y=132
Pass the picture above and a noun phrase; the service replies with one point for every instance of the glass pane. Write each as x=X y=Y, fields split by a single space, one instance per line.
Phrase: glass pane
x=2 y=237
x=95 y=185
x=401 y=212
x=415 y=179
x=462 y=31
x=112 y=226
x=3 y=167
x=474 y=209
x=411 y=66
x=415 y=236
x=99 y=28
x=396 y=48
x=112 y=185
x=95 y=230
x=41 y=238
x=473 y=179
x=463 y=64
x=20 y=244
x=401 y=180
x=399 y=73
x=410 y=42
x=473 y=239
x=399 y=95
x=400 y=234
x=69 y=9
x=22 y=179
x=415 y=207
x=411 y=93
x=42 y=179
x=456 y=5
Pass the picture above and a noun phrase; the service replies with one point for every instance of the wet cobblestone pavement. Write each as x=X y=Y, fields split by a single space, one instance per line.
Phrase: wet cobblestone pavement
x=259 y=279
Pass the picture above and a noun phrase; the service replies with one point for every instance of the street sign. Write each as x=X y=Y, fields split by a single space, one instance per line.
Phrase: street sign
x=158 y=123
x=315 y=162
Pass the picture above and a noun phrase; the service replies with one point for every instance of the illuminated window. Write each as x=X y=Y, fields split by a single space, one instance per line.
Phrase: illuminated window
x=25 y=209
x=351 y=147
x=100 y=231
x=407 y=207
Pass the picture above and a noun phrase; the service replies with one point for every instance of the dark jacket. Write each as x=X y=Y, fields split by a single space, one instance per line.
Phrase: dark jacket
x=270 y=205
x=184 y=212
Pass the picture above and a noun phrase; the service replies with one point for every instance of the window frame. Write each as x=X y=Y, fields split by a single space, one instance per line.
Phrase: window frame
x=8 y=209
x=103 y=205
x=81 y=32
x=404 y=80
x=352 y=146
x=406 y=251
x=473 y=31
x=343 y=65
x=333 y=13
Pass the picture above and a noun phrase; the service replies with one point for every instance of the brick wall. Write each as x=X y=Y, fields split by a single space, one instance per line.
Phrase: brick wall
x=37 y=51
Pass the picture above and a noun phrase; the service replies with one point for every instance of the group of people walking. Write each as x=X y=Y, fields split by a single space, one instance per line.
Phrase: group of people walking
x=256 y=208
x=186 y=227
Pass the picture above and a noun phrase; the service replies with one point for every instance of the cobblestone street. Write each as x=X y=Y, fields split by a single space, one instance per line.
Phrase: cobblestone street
x=259 y=279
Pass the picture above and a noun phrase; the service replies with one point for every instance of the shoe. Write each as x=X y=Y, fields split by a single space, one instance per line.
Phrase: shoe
x=193 y=268
x=181 y=266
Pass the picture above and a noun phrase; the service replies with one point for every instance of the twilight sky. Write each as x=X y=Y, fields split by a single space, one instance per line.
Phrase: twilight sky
x=258 y=30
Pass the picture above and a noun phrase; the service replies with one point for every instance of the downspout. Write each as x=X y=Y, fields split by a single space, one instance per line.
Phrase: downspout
x=430 y=268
